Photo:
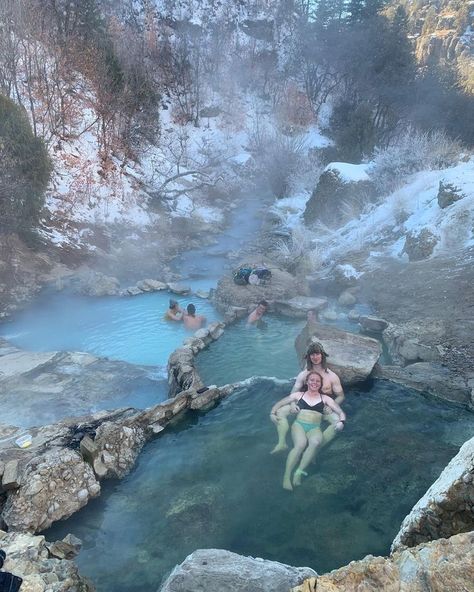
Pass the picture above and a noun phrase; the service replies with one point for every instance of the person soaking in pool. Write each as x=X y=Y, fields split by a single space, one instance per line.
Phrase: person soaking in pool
x=316 y=359
x=306 y=429
x=192 y=320
x=174 y=312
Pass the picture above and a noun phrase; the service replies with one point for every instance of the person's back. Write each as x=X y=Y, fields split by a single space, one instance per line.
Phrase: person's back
x=257 y=314
x=191 y=320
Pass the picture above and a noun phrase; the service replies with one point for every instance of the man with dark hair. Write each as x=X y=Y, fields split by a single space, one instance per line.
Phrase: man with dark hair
x=192 y=320
x=316 y=360
x=257 y=314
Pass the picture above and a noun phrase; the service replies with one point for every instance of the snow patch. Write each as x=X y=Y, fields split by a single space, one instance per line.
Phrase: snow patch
x=349 y=173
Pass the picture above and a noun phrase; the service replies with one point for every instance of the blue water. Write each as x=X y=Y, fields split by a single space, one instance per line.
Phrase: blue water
x=245 y=351
x=210 y=482
x=130 y=328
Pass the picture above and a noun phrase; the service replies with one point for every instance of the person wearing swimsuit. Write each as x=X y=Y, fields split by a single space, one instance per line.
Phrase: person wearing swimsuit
x=316 y=359
x=306 y=429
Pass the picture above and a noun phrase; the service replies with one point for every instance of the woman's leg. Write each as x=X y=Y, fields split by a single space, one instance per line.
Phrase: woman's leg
x=299 y=444
x=282 y=427
x=315 y=439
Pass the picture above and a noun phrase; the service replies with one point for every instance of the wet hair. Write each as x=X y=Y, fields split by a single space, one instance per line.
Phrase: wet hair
x=263 y=303
x=173 y=303
x=316 y=348
x=191 y=309
x=305 y=386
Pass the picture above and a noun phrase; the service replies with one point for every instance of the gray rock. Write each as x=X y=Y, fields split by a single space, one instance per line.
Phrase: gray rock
x=204 y=294
x=351 y=356
x=347 y=299
x=373 y=324
x=178 y=288
x=334 y=201
x=133 y=291
x=11 y=475
x=155 y=285
x=31 y=506
x=353 y=315
x=420 y=245
x=434 y=379
x=442 y=511
x=215 y=570
x=300 y=305
x=88 y=450
x=448 y=194
x=28 y=556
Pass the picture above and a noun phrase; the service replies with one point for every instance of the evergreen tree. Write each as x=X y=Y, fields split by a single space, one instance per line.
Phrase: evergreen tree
x=24 y=170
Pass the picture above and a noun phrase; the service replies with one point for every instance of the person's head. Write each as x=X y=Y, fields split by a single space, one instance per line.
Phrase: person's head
x=312 y=315
x=314 y=381
x=191 y=309
x=262 y=307
x=173 y=304
x=316 y=355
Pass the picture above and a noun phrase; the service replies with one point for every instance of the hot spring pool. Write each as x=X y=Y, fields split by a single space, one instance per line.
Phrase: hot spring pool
x=245 y=351
x=130 y=328
x=211 y=482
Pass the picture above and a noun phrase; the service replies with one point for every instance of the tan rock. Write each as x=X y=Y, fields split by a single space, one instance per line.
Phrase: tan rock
x=445 y=565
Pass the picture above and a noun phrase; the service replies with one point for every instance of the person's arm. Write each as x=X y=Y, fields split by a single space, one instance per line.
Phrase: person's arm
x=337 y=390
x=299 y=382
x=283 y=402
x=335 y=407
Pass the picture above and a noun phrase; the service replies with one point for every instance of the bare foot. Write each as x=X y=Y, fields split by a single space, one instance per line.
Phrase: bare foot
x=297 y=477
x=287 y=484
x=279 y=448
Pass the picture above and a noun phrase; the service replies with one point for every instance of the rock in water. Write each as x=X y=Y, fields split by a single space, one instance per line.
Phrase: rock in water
x=216 y=570
x=351 y=356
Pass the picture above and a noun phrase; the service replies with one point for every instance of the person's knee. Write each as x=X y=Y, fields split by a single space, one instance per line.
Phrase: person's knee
x=315 y=441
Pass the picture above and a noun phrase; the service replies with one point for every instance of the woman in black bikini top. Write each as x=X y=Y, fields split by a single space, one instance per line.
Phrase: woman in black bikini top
x=305 y=431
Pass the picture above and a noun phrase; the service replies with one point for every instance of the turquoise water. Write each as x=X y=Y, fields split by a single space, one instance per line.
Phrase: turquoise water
x=211 y=482
x=244 y=351
x=130 y=328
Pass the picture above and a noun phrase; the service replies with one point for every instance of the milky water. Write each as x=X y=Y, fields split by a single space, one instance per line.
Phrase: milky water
x=210 y=482
x=132 y=329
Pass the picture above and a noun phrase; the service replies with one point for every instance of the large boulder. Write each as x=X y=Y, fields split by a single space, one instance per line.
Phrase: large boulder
x=351 y=356
x=215 y=570
x=53 y=486
x=440 y=566
x=282 y=286
x=447 y=508
x=434 y=379
x=342 y=191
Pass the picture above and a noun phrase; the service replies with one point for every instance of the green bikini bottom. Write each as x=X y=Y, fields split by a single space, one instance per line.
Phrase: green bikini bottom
x=307 y=427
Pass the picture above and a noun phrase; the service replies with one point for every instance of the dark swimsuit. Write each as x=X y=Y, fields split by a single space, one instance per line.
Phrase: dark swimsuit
x=319 y=407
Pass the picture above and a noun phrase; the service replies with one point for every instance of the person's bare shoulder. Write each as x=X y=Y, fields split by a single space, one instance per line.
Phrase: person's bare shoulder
x=335 y=380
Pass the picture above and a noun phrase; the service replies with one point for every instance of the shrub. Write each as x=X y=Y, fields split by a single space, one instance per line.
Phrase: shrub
x=24 y=170
x=412 y=151
x=278 y=156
